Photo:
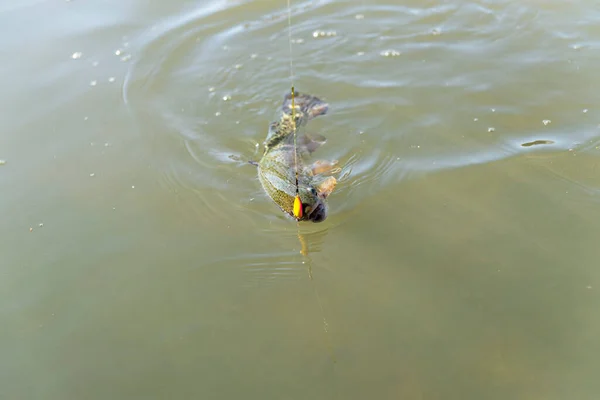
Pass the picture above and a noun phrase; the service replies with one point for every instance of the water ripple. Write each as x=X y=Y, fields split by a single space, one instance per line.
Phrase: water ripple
x=455 y=93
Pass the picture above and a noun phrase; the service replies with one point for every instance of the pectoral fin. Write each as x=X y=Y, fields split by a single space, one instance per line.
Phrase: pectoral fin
x=312 y=142
x=326 y=186
x=324 y=166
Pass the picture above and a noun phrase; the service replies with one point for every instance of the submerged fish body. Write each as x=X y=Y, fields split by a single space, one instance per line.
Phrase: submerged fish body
x=285 y=154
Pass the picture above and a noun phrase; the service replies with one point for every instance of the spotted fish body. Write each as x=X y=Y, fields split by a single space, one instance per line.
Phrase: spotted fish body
x=282 y=158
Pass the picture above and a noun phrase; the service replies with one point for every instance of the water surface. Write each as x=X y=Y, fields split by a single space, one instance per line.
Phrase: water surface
x=140 y=258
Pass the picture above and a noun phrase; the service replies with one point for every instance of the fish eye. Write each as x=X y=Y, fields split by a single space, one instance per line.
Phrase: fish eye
x=313 y=191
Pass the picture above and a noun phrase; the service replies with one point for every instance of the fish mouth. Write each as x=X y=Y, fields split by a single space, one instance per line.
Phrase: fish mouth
x=318 y=214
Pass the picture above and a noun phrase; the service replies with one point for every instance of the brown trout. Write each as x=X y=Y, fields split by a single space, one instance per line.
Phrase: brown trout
x=283 y=156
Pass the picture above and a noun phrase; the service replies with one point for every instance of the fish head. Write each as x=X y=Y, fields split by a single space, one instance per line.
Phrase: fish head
x=313 y=198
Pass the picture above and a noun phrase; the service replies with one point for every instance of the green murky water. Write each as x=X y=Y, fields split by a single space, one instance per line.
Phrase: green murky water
x=140 y=259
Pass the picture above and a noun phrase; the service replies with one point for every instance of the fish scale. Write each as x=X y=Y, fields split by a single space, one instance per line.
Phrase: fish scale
x=284 y=171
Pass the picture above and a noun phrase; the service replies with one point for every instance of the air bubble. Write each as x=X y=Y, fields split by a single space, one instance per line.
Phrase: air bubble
x=319 y=34
x=390 y=53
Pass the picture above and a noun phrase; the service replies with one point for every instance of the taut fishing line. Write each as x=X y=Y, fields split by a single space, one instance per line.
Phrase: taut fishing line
x=298 y=207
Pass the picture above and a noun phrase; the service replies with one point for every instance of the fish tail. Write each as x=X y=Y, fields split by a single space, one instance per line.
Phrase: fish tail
x=309 y=106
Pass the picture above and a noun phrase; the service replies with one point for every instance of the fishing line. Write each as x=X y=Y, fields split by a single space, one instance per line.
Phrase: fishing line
x=298 y=207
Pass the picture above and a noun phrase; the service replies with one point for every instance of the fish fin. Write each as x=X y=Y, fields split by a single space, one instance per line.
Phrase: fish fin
x=312 y=142
x=309 y=106
x=323 y=166
x=326 y=186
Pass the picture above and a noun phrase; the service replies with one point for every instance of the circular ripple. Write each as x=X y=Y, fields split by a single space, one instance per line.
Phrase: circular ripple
x=206 y=85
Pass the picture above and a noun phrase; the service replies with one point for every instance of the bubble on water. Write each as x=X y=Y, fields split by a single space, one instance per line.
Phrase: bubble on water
x=226 y=98
x=491 y=129
x=576 y=46
x=111 y=79
x=475 y=119
x=360 y=53
x=359 y=16
x=85 y=118
x=585 y=110
x=436 y=31
x=92 y=175
x=77 y=55
x=320 y=34
x=211 y=89
x=106 y=144
x=93 y=83
x=253 y=55
x=118 y=52
x=133 y=186
x=390 y=53
x=41 y=225
x=546 y=121
x=217 y=113
x=126 y=57
x=238 y=66
x=493 y=109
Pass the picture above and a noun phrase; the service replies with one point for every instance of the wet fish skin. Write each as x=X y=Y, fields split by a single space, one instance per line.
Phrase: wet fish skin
x=278 y=165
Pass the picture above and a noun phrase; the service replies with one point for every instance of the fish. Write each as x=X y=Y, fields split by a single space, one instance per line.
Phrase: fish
x=285 y=154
